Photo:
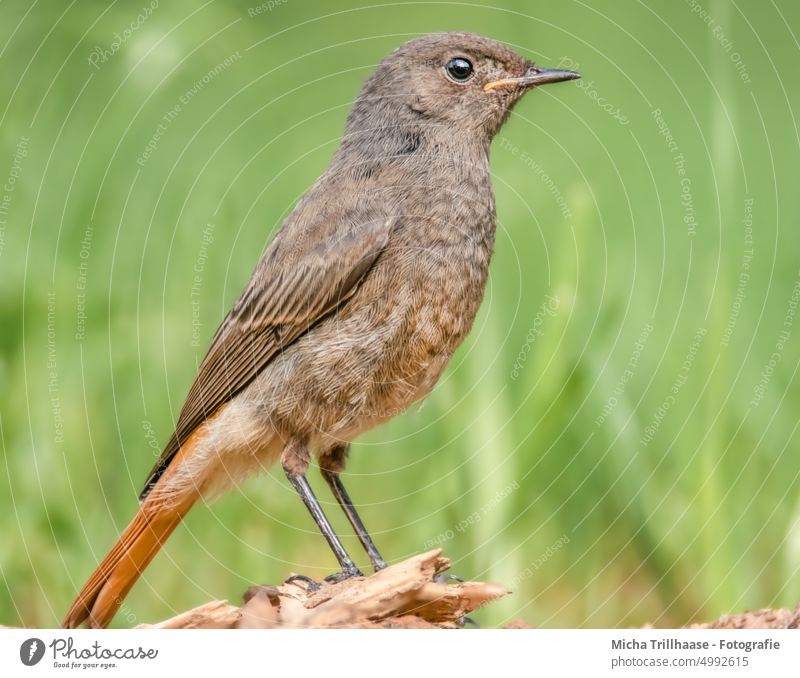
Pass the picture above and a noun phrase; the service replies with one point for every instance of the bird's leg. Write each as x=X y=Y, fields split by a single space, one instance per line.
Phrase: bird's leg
x=331 y=466
x=295 y=463
x=339 y=491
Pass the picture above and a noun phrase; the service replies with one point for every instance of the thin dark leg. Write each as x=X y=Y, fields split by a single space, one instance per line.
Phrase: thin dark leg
x=300 y=483
x=343 y=498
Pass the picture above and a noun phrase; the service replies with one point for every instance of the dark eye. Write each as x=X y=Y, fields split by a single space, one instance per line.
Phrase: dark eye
x=460 y=69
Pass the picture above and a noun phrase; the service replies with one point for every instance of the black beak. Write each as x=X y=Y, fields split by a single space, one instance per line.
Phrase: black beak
x=544 y=76
x=533 y=77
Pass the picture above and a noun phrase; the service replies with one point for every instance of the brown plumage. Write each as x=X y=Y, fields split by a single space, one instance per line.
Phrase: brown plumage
x=357 y=304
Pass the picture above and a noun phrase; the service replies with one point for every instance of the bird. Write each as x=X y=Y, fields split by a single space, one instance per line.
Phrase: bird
x=355 y=307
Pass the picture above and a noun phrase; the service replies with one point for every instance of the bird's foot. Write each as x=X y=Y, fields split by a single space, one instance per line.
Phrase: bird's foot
x=311 y=585
x=347 y=573
x=443 y=578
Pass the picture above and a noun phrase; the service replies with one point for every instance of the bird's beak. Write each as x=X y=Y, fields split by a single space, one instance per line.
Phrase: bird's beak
x=533 y=77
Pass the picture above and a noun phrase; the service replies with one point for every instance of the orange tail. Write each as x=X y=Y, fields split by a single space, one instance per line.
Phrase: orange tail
x=158 y=515
x=102 y=595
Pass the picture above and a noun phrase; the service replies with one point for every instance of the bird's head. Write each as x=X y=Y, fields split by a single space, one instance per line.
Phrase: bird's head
x=459 y=79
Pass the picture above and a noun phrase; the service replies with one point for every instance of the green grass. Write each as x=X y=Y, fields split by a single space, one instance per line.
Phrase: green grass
x=589 y=525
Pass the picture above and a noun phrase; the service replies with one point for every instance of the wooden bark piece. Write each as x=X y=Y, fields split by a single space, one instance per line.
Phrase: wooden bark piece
x=216 y=614
x=401 y=596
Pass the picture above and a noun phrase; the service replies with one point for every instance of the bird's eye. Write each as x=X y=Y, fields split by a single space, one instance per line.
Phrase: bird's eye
x=459 y=69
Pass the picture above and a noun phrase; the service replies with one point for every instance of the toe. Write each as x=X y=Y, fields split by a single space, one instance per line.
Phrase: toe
x=336 y=577
x=311 y=585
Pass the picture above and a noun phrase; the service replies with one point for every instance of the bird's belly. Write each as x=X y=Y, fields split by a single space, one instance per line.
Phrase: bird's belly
x=379 y=378
x=355 y=371
x=406 y=363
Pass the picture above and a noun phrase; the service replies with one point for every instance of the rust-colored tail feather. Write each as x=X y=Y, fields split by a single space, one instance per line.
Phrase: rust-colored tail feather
x=158 y=515
x=105 y=590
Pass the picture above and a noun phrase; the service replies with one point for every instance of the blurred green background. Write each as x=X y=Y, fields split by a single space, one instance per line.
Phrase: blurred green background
x=616 y=440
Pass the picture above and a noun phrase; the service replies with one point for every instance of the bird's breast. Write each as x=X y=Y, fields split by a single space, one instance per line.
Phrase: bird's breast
x=426 y=299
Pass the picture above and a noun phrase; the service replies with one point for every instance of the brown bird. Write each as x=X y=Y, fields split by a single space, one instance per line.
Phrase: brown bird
x=355 y=307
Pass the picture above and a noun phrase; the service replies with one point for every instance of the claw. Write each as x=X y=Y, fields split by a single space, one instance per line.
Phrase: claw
x=447 y=578
x=311 y=585
x=337 y=577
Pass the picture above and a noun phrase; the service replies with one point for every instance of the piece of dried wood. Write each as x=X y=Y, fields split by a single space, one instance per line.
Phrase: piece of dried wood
x=216 y=614
x=403 y=595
